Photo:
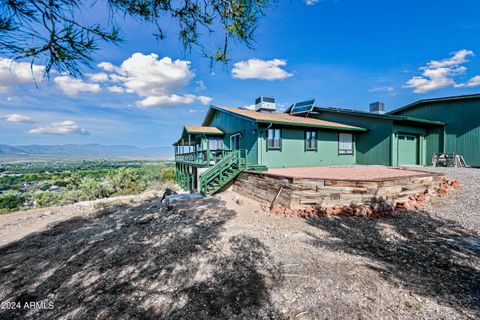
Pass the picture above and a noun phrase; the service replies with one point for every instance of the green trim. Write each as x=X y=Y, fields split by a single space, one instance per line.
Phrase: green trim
x=296 y=124
x=415 y=119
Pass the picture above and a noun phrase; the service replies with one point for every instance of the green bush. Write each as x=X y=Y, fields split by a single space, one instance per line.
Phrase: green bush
x=61 y=183
x=47 y=199
x=11 y=202
x=126 y=181
x=168 y=174
x=92 y=189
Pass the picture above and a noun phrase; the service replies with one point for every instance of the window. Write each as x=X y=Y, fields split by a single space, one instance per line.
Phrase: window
x=274 y=140
x=345 y=143
x=311 y=140
x=215 y=143
x=235 y=141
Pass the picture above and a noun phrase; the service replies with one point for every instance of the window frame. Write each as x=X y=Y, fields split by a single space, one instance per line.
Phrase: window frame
x=214 y=138
x=346 y=152
x=279 y=139
x=239 y=135
x=316 y=140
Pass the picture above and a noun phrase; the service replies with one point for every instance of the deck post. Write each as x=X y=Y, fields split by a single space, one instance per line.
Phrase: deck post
x=208 y=152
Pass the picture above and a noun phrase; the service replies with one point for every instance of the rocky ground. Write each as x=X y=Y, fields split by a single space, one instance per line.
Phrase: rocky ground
x=222 y=257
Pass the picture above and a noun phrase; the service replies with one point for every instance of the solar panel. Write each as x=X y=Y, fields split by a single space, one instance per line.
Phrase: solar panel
x=302 y=107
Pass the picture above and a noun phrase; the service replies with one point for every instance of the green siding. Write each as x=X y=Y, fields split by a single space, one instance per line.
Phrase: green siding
x=230 y=124
x=293 y=153
x=462 y=127
x=373 y=146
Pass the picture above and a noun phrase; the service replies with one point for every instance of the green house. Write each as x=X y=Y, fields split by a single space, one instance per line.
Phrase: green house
x=234 y=139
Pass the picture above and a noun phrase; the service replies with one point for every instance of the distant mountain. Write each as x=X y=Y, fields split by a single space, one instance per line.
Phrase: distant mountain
x=85 y=150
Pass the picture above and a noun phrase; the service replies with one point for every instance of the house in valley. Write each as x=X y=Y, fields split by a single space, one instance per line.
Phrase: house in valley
x=231 y=140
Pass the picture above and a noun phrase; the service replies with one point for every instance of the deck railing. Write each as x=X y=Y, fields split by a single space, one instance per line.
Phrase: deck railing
x=202 y=157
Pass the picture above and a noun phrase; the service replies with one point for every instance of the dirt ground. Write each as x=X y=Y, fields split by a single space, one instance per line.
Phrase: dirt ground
x=221 y=258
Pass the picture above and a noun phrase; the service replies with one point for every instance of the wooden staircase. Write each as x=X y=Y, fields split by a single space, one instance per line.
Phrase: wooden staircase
x=223 y=172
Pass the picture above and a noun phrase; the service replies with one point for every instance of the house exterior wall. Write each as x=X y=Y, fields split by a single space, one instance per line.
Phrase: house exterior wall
x=230 y=125
x=373 y=146
x=462 y=126
x=293 y=152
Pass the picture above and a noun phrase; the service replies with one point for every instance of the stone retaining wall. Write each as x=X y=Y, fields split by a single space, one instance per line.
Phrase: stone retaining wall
x=328 y=192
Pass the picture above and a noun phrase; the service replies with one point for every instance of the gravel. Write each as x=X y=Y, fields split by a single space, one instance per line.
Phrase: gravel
x=463 y=206
x=222 y=258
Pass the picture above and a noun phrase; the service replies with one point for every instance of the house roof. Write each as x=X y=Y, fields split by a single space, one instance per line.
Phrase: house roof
x=423 y=101
x=379 y=115
x=203 y=129
x=188 y=130
x=285 y=119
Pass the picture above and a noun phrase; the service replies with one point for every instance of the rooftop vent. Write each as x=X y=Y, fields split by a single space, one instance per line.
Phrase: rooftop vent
x=377 y=107
x=265 y=104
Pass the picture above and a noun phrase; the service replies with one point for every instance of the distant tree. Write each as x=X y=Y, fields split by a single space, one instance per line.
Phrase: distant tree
x=51 y=30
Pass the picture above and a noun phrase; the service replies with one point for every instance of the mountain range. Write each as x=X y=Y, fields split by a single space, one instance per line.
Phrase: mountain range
x=85 y=150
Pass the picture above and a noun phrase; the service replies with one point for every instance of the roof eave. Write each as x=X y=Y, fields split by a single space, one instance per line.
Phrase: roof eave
x=422 y=101
x=296 y=124
x=206 y=133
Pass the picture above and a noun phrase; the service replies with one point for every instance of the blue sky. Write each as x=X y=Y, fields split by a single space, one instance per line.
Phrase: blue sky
x=343 y=53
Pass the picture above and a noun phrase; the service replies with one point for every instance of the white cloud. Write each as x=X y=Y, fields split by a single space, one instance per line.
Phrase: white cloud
x=13 y=73
x=60 y=128
x=249 y=107
x=171 y=100
x=311 y=2
x=388 y=89
x=473 y=82
x=200 y=86
x=160 y=82
x=107 y=66
x=71 y=86
x=98 y=77
x=116 y=89
x=438 y=74
x=459 y=57
x=260 y=69
x=15 y=117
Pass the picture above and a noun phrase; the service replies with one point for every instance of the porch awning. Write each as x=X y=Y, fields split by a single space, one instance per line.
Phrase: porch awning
x=196 y=130
x=203 y=130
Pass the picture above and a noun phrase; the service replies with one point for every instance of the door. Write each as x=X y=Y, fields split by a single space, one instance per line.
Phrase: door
x=235 y=141
x=407 y=149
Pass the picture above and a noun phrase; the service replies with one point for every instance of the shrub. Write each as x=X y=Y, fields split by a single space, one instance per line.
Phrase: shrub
x=47 y=199
x=11 y=201
x=126 y=181
x=168 y=174
x=92 y=189
x=60 y=183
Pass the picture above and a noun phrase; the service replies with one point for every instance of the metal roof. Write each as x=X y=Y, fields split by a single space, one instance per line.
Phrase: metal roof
x=386 y=116
x=284 y=119
x=442 y=99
